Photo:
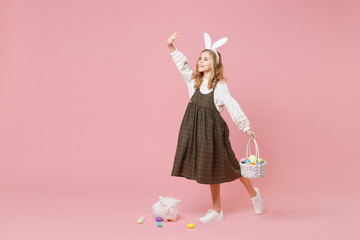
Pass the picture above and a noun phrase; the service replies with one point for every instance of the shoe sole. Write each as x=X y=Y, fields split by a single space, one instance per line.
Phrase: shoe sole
x=213 y=220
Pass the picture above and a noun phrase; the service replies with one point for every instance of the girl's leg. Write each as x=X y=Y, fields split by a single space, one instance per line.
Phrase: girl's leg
x=215 y=193
x=249 y=187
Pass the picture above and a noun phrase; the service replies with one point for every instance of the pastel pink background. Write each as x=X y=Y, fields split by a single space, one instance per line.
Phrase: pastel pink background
x=91 y=105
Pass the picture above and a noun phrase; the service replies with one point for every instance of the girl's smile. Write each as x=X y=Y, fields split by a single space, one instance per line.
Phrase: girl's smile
x=204 y=62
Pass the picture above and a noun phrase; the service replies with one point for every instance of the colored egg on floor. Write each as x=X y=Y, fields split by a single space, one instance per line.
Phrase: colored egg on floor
x=190 y=225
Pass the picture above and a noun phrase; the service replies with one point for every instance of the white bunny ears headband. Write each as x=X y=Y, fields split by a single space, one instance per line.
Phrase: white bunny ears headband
x=217 y=44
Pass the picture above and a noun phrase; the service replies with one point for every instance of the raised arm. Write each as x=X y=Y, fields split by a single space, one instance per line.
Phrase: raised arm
x=171 y=40
x=180 y=60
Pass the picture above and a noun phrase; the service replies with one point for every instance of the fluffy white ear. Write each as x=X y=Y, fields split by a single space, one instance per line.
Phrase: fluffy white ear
x=207 y=41
x=178 y=200
x=219 y=43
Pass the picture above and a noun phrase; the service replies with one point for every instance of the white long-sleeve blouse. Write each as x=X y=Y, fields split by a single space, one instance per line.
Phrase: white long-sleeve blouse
x=222 y=95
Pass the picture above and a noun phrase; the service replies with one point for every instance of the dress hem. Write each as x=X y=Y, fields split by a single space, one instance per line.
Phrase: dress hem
x=215 y=182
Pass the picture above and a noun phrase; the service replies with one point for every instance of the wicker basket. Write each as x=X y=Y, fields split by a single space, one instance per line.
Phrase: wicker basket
x=253 y=171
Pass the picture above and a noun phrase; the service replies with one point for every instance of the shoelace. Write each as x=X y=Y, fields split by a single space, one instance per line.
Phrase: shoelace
x=208 y=212
x=257 y=203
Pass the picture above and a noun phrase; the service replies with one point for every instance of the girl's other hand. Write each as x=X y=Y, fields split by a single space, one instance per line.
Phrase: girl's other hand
x=172 y=38
x=251 y=134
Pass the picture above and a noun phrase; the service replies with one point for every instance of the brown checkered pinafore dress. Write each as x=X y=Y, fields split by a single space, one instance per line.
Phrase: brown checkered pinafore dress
x=203 y=150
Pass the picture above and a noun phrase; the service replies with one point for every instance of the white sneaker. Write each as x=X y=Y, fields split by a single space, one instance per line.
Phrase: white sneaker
x=212 y=215
x=257 y=202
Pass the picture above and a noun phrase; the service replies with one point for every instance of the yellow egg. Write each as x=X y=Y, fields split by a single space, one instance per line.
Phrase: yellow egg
x=191 y=225
x=140 y=221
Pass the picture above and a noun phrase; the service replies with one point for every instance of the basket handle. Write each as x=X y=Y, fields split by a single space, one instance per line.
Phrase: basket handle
x=248 y=151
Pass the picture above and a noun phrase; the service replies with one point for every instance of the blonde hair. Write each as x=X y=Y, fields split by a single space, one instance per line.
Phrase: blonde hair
x=216 y=75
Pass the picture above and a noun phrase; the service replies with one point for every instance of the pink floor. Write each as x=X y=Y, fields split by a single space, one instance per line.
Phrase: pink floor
x=99 y=215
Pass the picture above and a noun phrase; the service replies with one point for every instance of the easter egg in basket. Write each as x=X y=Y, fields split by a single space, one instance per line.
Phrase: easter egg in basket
x=252 y=158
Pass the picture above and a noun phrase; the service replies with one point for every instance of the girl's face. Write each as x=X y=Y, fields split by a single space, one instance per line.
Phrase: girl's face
x=204 y=62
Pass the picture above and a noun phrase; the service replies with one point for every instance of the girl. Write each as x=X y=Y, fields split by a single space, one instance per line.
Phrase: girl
x=203 y=150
